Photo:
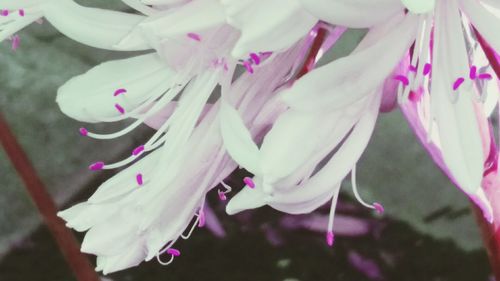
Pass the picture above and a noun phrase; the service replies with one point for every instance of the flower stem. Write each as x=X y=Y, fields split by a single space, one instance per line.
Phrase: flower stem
x=490 y=232
x=67 y=243
x=491 y=239
x=310 y=61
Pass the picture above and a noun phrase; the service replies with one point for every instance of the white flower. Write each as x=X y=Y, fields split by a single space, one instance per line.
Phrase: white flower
x=440 y=57
x=140 y=213
x=300 y=138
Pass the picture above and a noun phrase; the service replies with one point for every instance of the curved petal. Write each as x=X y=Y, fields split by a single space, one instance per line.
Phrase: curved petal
x=90 y=96
x=194 y=16
x=133 y=256
x=83 y=216
x=94 y=27
x=338 y=166
x=293 y=139
x=246 y=199
x=158 y=119
x=124 y=182
x=492 y=3
x=358 y=74
x=354 y=13
x=20 y=4
x=110 y=237
x=487 y=23
x=306 y=206
x=267 y=25
x=454 y=111
x=315 y=191
x=238 y=140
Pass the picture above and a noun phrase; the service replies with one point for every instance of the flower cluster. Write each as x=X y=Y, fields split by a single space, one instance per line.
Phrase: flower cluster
x=233 y=83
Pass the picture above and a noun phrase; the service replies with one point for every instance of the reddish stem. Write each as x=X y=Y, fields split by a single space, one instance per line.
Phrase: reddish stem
x=490 y=232
x=491 y=239
x=489 y=52
x=310 y=61
x=67 y=243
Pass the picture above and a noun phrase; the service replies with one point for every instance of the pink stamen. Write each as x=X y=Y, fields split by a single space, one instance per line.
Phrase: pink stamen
x=202 y=220
x=427 y=68
x=248 y=181
x=265 y=54
x=412 y=68
x=21 y=12
x=119 y=108
x=119 y=92
x=458 y=83
x=473 y=72
x=248 y=66
x=414 y=96
x=139 y=179
x=216 y=62
x=194 y=36
x=255 y=58
x=96 y=166
x=16 y=41
x=84 y=132
x=4 y=13
x=138 y=150
x=330 y=238
x=379 y=208
x=403 y=79
x=222 y=195
x=485 y=76
x=174 y=252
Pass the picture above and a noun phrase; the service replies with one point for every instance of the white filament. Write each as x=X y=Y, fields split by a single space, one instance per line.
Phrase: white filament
x=355 y=190
x=333 y=208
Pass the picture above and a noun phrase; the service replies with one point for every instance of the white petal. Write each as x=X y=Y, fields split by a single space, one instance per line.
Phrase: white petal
x=487 y=23
x=164 y=2
x=319 y=188
x=193 y=17
x=306 y=206
x=19 y=4
x=247 y=199
x=419 y=6
x=90 y=97
x=459 y=132
x=285 y=23
x=293 y=139
x=340 y=129
x=238 y=140
x=492 y=4
x=492 y=97
x=125 y=181
x=83 y=216
x=356 y=75
x=133 y=256
x=72 y=212
x=158 y=119
x=91 y=26
x=339 y=165
x=354 y=13
x=112 y=236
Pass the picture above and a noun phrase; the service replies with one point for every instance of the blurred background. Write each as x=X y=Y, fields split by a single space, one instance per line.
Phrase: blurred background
x=427 y=233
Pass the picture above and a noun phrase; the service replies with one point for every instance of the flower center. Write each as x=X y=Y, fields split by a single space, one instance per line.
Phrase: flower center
x=419 y=6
